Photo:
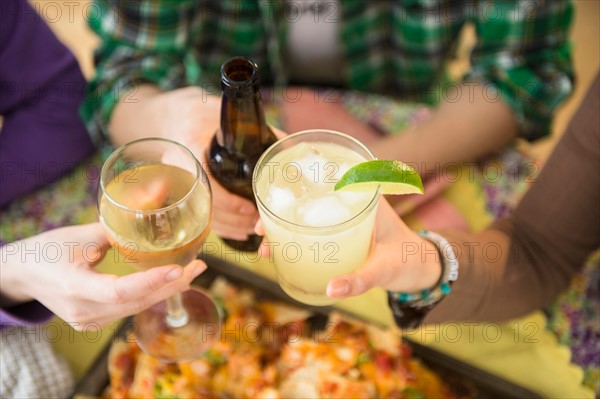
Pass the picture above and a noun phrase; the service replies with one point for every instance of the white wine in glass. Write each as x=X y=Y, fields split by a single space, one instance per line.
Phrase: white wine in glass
x=155 y=206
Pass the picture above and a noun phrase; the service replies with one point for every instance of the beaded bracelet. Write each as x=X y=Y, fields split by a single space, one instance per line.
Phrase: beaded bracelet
x=410 y=308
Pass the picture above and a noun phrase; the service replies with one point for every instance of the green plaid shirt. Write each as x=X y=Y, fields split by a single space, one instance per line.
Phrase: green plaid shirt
x=398 y=48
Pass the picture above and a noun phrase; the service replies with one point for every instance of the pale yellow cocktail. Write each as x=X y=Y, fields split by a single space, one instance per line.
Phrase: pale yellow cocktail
x=314 y=233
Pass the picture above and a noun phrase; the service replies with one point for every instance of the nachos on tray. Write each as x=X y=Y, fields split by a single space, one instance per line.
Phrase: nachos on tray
x=269 y=349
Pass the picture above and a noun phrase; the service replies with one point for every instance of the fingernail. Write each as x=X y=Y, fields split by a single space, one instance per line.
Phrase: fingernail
x=174 y=274
x=338 y=288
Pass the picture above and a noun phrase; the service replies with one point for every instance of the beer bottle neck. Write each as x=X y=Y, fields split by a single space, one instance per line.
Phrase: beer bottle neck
x=243 y=128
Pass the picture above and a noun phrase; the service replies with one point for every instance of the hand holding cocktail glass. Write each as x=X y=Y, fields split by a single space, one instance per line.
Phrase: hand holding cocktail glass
x=384 y=267
x=319 y=238
x=155 y=206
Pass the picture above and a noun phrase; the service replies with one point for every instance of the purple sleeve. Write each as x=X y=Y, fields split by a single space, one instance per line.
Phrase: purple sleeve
x=42 y=136
x=24 y=314
x=41 y=88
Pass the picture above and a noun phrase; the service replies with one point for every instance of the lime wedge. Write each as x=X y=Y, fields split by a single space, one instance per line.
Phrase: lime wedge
x=394 y=177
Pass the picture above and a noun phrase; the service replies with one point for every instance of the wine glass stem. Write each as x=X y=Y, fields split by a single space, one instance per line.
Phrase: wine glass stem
x=176 y=314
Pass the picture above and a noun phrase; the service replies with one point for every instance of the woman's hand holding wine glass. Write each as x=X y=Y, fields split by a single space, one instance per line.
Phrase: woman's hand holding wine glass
x=155 y=207
x=64 y=280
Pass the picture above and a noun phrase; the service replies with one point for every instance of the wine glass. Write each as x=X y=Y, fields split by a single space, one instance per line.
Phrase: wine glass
x=154 y=203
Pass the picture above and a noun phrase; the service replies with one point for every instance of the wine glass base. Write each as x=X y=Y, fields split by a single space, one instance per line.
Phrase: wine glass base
x=160 y=339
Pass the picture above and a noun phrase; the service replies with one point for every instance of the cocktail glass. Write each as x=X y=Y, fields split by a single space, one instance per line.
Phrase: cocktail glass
x=314 y=233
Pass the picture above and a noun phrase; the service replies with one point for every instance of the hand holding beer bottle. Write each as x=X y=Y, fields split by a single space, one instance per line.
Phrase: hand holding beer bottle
x=242 y=137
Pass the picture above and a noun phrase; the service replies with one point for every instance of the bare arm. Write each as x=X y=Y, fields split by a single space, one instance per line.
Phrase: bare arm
x=458 y=131
x=180 y=114
x=142 y=115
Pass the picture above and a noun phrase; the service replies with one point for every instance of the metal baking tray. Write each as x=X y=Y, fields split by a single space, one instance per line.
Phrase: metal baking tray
x=464 y=379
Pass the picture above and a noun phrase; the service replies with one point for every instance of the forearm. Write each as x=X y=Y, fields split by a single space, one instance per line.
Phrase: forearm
x=485 y=289
x=12 y=291
x=458 y=131
x=150 y=112
x=140 y=113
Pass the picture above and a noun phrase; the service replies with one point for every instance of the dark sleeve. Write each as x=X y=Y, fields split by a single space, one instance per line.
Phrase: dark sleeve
x=552 y=231
x=41 y=88
x=25 y=314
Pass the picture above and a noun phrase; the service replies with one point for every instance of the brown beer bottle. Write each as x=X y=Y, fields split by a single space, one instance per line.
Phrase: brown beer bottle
x=243 y=136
